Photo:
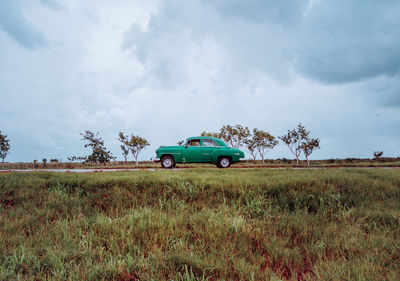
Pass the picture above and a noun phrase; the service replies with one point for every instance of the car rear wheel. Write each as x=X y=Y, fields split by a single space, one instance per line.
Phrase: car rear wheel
x=167 y=162
x=224 y=162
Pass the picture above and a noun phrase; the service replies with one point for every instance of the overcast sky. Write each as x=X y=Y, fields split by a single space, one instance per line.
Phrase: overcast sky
x=168 y=70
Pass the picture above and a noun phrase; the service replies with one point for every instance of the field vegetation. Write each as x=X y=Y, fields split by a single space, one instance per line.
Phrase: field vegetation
x=268 y=163
x=201 y=224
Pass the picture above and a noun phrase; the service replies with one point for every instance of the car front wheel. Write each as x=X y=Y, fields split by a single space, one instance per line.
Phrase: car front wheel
x=224 y=162
x=167 y=162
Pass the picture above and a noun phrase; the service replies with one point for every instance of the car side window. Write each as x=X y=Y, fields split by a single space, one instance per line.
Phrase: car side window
x=194 y=143
x=209 y=143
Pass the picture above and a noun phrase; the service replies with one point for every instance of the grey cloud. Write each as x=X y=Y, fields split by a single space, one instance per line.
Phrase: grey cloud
x=283 y=11
x=247 y=45
x=385 y=91
x=212 y=65
x=333 y=42
x=13 y=23
x=346 y=41
x=165 y=45
x=52 y=4
x=161 y=53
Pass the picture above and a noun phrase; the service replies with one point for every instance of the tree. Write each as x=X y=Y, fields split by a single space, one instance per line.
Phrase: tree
x=210 y=134
x=251 y=144
x=294 y=139
x=76 y=158
x=99 y=151
x=378 y=154
x=235 y=135
x=4 y=146
x=125 y=145
x=308 y=146
x=264 y=142
x=137 y=144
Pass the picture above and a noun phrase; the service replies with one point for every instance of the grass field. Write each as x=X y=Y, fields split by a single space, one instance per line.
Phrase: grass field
x=269 y=163
x=201 y=224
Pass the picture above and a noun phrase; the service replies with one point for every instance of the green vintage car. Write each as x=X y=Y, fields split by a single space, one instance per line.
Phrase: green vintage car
x=199 y=150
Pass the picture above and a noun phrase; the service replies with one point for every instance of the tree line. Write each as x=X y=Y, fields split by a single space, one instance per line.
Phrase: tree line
x=100 y=154
x=261 y=142
x=257 y=142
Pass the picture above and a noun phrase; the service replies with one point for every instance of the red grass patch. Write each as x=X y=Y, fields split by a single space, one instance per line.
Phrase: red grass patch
x=128 y=277
x=284 y=271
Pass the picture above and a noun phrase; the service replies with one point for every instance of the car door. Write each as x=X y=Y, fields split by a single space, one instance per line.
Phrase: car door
x=207 y=147
x=192 y=151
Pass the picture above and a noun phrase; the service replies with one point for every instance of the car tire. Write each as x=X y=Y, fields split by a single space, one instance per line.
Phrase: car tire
x=167 y=162
x=224 y=162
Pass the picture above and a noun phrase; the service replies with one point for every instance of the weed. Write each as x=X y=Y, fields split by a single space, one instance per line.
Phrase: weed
x=201 y=224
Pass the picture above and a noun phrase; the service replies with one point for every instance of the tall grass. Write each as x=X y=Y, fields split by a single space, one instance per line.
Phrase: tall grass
x=269 y=163
x=201 y=224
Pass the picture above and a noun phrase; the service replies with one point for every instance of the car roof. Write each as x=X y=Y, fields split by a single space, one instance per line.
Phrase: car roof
x=217 y=140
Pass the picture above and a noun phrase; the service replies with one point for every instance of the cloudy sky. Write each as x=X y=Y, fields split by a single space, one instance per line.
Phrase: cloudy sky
x=167 y=70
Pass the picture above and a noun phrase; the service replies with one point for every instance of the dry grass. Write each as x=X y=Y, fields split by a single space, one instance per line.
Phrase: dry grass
x=201 y=224
x=269 y=163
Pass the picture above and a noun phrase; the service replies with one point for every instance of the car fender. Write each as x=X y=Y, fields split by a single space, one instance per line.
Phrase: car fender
x=234 y=153
x=174 y=152
x=220 y=152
